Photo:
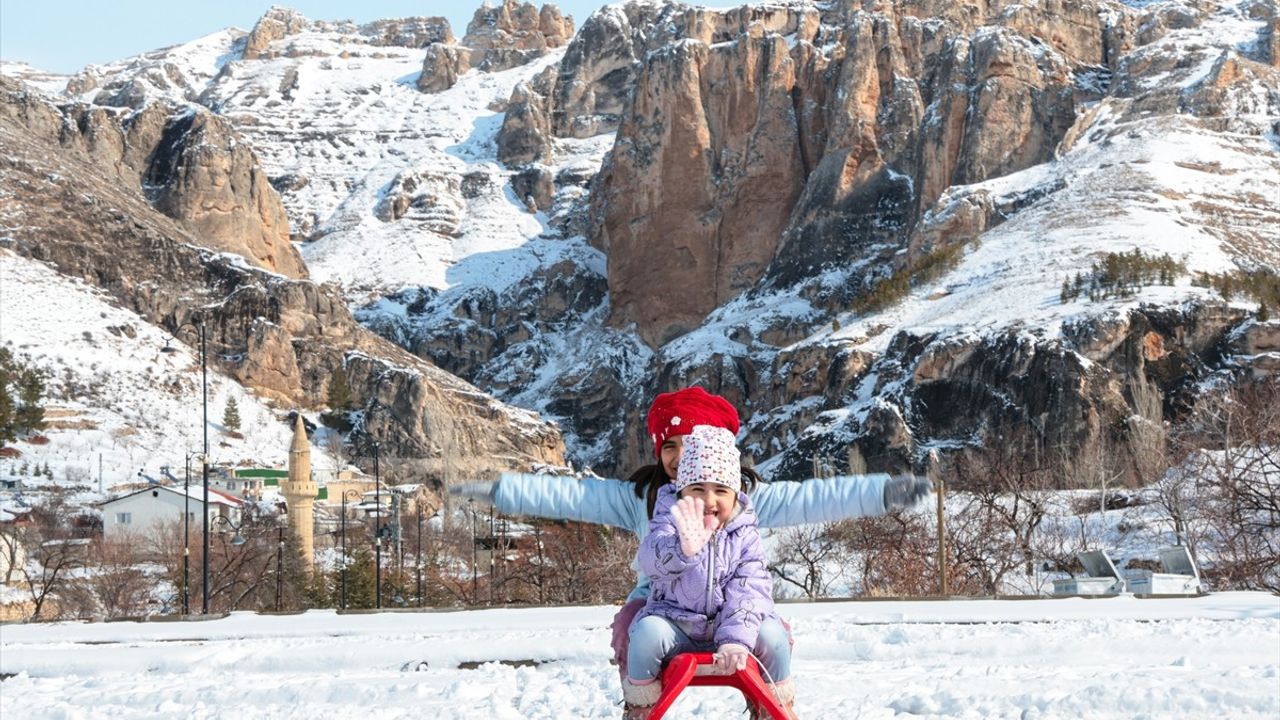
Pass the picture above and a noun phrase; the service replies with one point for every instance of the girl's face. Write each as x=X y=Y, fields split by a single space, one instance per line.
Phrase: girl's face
x=719 y=500
x=669 y=454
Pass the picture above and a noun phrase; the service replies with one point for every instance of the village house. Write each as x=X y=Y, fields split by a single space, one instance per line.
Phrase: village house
x=147 y=510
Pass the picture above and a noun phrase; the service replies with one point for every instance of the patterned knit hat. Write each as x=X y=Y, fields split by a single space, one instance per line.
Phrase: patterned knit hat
x=710 y=455
x=675 y=413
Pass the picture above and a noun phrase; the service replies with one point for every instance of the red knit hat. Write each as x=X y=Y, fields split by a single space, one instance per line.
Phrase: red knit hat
x=675 y=413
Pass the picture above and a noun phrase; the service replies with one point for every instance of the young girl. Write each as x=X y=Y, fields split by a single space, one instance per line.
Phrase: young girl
x=710 y=586
x=629 y=504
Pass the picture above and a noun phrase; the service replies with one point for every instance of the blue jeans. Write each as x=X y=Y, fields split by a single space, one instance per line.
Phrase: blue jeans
x=655 y=640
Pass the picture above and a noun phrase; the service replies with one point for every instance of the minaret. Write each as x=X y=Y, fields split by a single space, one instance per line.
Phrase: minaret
x=300 y=492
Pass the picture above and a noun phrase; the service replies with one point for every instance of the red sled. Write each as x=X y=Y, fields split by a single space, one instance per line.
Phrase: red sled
x=688 y=669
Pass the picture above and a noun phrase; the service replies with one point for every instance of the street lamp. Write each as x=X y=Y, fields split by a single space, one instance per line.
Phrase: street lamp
x=279 y=560
x=471 y=505
x=417 y=556
x=186 y=543
x=343 y=520
x=237 y=539
x=204 y=457
x=377 y=530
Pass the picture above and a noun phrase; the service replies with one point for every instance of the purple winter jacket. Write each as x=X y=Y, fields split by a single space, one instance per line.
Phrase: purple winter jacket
x=722 y=594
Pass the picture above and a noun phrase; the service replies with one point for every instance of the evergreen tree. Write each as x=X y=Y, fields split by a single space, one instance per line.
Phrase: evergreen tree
x=29 y=415
x=361 y=577
x=1065 y=295
x=231 y=416
x=8 y=431
x=1263 y=314
x=339 y=390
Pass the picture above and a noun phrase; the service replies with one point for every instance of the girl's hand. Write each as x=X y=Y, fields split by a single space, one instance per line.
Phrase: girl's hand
x=730 y=658
x=694 y=527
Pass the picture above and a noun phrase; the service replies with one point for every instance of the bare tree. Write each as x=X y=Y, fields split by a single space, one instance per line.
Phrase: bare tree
x=46 y=571
x=116 y=582
x=803 y=555
x=1006 y=499
x=12 y=552
x=1229 y=451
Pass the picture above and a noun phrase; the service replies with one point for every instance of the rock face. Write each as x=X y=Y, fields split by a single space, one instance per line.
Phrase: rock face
x=1073 y=395
x=202 y=176
x=279 y=336
x=859 y=122
x=514 y=33
x=499 y=37
x=703 y=176
x=190 y=165
x=433 y=200
x=279 y=23
x=818 y=152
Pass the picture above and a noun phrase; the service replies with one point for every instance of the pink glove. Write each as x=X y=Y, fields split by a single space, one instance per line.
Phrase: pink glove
x=730 y=658
x=695 y=528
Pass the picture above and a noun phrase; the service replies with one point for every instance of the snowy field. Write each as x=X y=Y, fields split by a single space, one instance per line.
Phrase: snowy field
x=1216 y=656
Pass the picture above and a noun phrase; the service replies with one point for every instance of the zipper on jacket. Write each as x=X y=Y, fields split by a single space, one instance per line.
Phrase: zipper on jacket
x=711 y=572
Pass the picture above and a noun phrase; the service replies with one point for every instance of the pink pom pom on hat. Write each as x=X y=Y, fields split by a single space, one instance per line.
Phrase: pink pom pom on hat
x=710 y=455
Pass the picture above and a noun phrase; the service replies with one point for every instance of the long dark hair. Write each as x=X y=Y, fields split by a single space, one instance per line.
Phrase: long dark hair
x=649 y=478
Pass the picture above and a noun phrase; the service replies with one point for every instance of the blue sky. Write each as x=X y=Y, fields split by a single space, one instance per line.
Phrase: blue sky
x=65 y=35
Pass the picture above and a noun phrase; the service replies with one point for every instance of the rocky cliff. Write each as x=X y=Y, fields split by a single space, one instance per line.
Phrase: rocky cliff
x=280 y=336
x=190 y=165
x=832 y=156
x=498 y=37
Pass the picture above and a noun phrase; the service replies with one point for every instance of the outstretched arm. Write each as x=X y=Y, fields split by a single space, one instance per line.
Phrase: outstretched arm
x=780 y=504
x=593 y=500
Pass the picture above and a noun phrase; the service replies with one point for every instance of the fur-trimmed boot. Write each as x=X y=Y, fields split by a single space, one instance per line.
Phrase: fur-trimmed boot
x=785 y=692
x=639 y=699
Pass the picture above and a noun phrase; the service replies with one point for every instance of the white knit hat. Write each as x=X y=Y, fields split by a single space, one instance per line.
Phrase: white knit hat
x=710 y=455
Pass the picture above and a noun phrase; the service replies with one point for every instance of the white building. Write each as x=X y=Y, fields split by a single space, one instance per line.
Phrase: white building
x=146 y=511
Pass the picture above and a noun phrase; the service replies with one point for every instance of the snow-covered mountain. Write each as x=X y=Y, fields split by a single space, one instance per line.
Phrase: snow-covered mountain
x=843 y=217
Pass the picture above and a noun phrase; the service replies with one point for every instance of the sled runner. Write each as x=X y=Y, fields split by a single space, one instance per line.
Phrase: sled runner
x=688 y=669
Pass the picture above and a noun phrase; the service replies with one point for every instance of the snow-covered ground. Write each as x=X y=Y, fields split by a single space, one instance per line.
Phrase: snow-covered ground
x=1216 y=656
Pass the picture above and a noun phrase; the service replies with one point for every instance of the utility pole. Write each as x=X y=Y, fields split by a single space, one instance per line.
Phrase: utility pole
x=279 y=562
x=186 y=543
x=377 y=530
x=471 y=506
x=204 y=461
x=493 y=556
x=942 y=539
x=417 y=555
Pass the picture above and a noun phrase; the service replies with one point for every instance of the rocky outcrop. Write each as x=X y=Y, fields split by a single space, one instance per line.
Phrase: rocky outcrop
x=703 y=174
x=441 y=65
x=847 y=127
x=279 y=23
x=432 y=200
x=203 y=176
x=282 y=337
x=1070 y=397
x=189 y=164
x=499 y=37
x=513 y=33
x=525 y=136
